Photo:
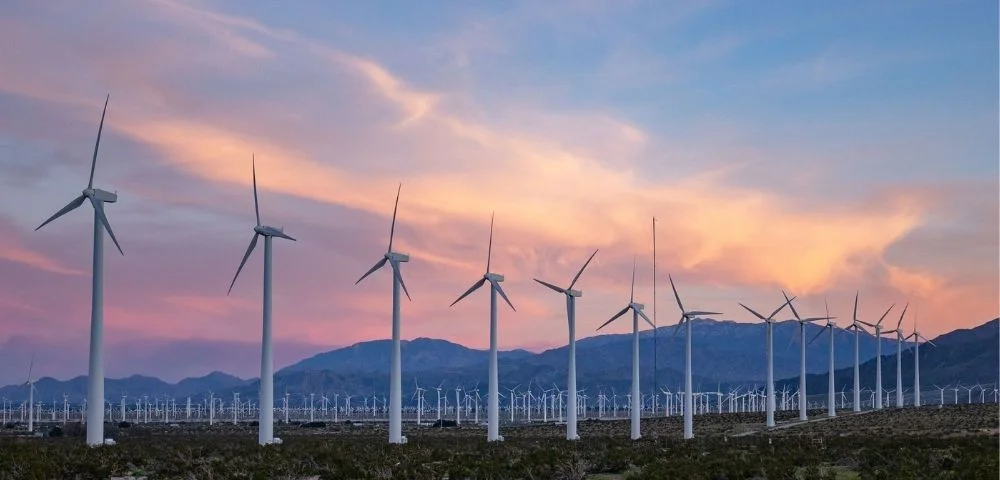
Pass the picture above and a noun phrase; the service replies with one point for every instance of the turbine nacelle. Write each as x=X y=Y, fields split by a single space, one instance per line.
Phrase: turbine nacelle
x=101 y=195
x=493 y=277
x=636 y=306
x=573 y=293
x=397 y=257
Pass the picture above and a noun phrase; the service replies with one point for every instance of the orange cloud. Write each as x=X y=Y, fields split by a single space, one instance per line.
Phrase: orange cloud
x=31 y=258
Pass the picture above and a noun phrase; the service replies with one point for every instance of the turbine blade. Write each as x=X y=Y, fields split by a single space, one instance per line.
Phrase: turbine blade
x=31 y=366
x=631 y=293
x=503 y=295
x=822 y=330
x=902 y=315
x=753 y=312
x=699 y=313
x=677 y=328
x=789 y=301
x=644 y=317
x=866 y=323
x=676 y=296
x=553 y=287
x=72 y=205
x=256 y=205
x=584 y=267
x=283 y=235
x=99 y=208
x=622 y=312
x=473 y=288
x=856 y=306
x=253 y=243
x=884 y=314
x=489 y=250
x=377 y=266
x=399 y=276
x=392 y=228
x=93 y=161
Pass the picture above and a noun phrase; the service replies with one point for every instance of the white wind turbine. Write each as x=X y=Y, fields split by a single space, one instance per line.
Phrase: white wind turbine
x=636 y=313
x=686 y=317
x=395 y=363
x=769 y=341
x=878 y=356
x=265 y=433
x=493 y=428
x=571 y=296
x=916 y=336
x=899 y=356
x=802 y=354
x=31 y=396
x=831 y=400
x=856 y=325
x=95 y=374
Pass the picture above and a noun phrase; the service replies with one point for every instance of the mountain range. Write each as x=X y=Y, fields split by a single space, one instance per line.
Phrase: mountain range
x=724 y=353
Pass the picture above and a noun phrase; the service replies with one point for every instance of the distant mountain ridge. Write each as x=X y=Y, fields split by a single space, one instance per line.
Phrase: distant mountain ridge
x=725 y=352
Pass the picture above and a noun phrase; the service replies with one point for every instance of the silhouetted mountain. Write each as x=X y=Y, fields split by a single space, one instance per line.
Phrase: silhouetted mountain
x=723 y=352
x=969 y=356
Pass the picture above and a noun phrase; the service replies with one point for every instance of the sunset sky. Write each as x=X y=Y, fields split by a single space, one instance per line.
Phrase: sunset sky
x=816 y=147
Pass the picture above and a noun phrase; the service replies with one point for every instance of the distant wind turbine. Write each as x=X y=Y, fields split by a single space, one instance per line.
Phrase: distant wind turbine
x=899 y=356
x=395 y=379
x=636 y=406
x=916 y=336
x=31 y=396
x=803 y=415
x=878 y=356
x=493 y=428
x=831 y=400
x=95 y=374
x=686 y=317
x=265 y=433
x=571 y=296
x=769 y=340
x=856 y=326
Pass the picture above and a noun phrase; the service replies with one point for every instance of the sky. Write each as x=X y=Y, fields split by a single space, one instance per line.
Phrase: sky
x=821 y=148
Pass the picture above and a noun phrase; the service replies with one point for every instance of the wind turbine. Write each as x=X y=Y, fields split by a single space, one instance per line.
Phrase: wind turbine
x=95 y=374
x=686 y=317
x=769 y=340
x=899 y=357
x=493 y=429
x=831 y=400
x=916 y=336
x=878 y=356
x=31 y=396
x=395 y=378
x=636 y=308
x=803 y=416
x=265 y=433
x=571 y=296
x=856 y=325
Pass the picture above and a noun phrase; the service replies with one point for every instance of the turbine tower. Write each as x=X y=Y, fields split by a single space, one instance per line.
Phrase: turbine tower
x=30 y=383
x=636 y=406
x=803 y=415
x=265 y=430
x=95 y=374
x=916 y=336
x=878 y=356
x=899 y=356
x=831 y=400
x=493 y=428
x=686 y=317
x=769 y=341
x=571 y=296
x=856 y=325
x=395 y=378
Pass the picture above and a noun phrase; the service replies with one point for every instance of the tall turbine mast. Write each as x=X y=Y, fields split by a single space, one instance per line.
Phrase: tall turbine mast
x=95 y=375
x=265 y=430
x=394 y=260
x=686 y=317
x=493 y=428
x=656 y=383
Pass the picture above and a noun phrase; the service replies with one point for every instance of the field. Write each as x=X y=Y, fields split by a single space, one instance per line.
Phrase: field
x=959 y=442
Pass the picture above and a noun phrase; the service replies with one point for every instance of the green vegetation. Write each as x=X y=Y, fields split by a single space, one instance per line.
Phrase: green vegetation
x=949 y=443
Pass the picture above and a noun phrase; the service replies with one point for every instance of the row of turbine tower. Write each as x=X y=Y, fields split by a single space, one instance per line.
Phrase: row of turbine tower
x=95 y=391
